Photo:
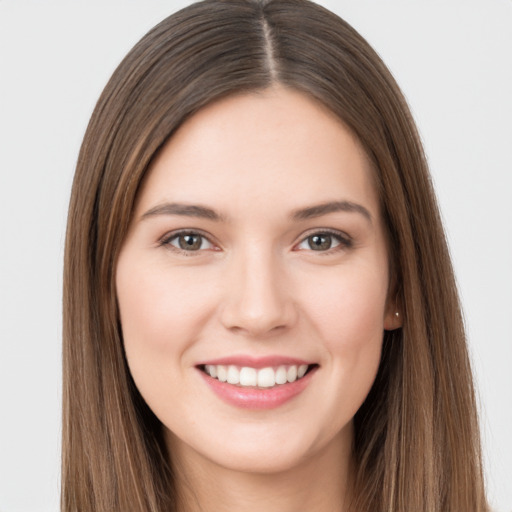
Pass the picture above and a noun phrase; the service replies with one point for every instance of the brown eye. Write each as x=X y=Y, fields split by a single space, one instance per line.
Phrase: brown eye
x=325 y=241
x=189 y=242
x=320 y=242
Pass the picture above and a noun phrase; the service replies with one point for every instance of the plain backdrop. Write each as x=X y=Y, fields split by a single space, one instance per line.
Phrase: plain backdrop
x=453 y=60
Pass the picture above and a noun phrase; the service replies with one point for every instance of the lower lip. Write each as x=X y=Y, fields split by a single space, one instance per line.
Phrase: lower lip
x=257 y=398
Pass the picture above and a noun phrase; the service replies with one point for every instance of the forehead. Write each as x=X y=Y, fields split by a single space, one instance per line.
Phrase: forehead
x=261 y=150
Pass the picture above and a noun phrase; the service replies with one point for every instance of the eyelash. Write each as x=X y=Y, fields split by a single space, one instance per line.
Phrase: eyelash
x=344 y=241
x=167 y=239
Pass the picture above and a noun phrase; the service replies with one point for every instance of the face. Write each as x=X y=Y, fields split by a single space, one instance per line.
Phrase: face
x=253 y=283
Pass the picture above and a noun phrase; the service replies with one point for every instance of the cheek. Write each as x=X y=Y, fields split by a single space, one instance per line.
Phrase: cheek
x=156 y=308
x=348 y=305
x=161 y=313
x=348 y=315
x=348 y=311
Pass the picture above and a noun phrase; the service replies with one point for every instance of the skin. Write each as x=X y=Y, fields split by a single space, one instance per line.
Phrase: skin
x=254 y=286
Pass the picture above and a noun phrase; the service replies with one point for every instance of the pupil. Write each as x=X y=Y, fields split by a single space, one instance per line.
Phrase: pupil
x=320 y=242
x=189 y=242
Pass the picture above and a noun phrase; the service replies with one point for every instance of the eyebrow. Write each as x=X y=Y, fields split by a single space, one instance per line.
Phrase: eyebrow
x=187 y=210
x=312 y=212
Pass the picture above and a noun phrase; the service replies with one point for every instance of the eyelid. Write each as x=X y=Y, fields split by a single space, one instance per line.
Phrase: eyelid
x=345 y=240
x=166 y=239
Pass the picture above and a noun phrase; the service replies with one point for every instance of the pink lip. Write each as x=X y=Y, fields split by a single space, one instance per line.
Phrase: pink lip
x=256 y=362
x=257 y=398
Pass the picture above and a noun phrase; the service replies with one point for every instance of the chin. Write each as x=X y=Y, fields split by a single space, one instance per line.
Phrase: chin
x=262 y=450
x=263 y=460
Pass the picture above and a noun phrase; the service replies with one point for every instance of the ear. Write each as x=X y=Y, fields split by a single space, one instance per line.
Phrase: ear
x=393 y=318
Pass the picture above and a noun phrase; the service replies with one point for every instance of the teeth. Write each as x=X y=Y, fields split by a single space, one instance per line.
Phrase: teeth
x=266 y=378
x=248 y=376
x=303 y=368
x=291 y=374
x=222 y=373
x=281 y=375
x=233 y=375
x=211 y=370
x=263 y=378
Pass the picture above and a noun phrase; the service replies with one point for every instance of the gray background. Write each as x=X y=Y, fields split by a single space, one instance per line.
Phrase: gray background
x=453 y=61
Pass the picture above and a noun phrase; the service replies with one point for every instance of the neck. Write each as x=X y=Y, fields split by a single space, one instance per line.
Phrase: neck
x=322 y=483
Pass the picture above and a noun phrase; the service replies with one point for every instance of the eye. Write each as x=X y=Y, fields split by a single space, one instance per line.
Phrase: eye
x=324 y=241
x=188 y=241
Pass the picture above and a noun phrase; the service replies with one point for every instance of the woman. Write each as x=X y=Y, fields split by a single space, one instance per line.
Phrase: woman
x=258 y=292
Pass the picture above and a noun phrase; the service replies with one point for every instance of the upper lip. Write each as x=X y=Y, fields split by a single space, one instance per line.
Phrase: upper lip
x=255 y=362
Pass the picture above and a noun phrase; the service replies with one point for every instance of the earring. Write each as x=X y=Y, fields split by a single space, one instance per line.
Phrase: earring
x=397 y=314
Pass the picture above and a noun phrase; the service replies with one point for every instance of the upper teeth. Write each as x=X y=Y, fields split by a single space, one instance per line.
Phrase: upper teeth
x=263 y=378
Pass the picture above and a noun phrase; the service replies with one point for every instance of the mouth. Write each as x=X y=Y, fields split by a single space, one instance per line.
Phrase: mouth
x=257 y=383
x=257 y=378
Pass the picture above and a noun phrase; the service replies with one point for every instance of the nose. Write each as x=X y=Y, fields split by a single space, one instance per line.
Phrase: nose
x=258 y=298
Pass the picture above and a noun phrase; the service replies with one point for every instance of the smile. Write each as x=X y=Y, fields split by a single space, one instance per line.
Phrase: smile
x=247 y=376
x=263 y=383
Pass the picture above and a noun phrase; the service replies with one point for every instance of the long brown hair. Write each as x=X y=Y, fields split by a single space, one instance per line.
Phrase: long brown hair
x=416 y=442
